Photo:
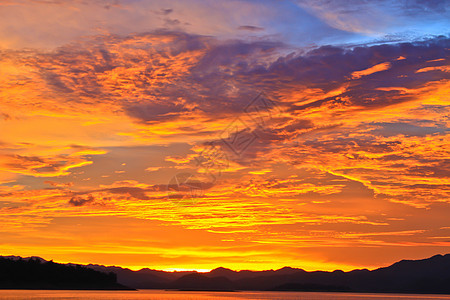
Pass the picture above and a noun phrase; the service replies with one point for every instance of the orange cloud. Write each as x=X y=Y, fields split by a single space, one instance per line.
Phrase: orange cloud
x=377 y=68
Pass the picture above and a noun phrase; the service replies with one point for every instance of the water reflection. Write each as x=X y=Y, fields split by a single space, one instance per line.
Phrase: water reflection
x=175 y=295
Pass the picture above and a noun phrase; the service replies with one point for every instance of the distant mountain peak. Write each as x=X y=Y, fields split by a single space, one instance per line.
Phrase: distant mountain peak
x=13 y=257
x=222 y=269
x=288 y=270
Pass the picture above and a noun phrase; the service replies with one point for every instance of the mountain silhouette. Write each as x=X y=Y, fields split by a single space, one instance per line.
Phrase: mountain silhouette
x=430 y=276
x=36 y=273
x=144 y=278
x=198 y=282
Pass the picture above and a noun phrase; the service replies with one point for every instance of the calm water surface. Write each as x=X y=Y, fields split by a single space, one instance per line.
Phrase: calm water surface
x=174 y=295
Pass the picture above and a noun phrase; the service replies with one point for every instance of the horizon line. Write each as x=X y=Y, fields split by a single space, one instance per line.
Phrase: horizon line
x=204 y=270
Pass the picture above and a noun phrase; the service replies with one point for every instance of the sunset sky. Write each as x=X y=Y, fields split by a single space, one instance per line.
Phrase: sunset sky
x=244 y=134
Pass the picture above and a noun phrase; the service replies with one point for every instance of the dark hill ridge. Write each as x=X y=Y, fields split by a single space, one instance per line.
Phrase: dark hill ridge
x=36 y=273
x=431 y=276
x=198 y=282
x=144 y=278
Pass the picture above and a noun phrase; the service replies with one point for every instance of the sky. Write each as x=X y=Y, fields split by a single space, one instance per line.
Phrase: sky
x=182 y=135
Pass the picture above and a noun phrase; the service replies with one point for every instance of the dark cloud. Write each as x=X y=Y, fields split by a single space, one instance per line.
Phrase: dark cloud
x=164 y=11
x=5 y=116
x=330 y=67
x=55 y=82
x=80 y=201
x=155 y=112
x=135 y=192
x=250 y=28
x=161 y=76
x=392 y=129
x=172 y=22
